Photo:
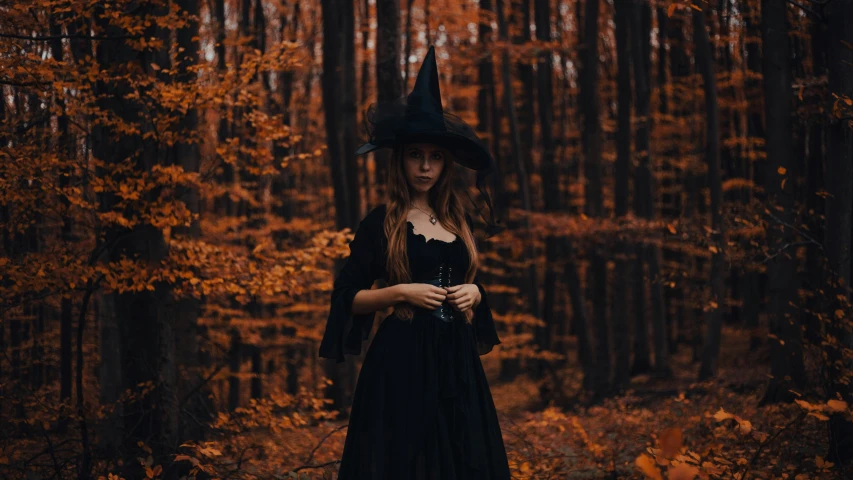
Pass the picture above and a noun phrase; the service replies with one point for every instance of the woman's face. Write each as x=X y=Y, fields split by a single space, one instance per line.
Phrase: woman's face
x=422 y=165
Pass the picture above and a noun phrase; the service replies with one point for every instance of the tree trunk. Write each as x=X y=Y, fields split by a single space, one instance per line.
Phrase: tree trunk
x=145 y=350
x=408 y=51
x=593 y=205
x=621 y=330
x=349 y=111
x=640 y=30
x=750 y=286
x=713 y=316
x=235 y=358
x=780 y=172
x=223 y=204
x=188 y=309
x=519 y=21
x=257 y=384
x=579 y=317
x=839 y=215
x=389 y=85
x=510 y=368
x=550 y=170
x=487 y=104
x=67 y=145
x=814 y=204
x=339 y=108
x=284 y=182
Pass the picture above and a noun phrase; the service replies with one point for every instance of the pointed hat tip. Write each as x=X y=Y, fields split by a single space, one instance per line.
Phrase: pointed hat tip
x=429 y=57
x=426 y=92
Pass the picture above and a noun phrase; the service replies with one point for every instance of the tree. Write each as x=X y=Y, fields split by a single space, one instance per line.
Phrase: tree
x=621 y=331
x=389 y=85
x=839 y=214
x=787 y=361
x=593 y=206
x=644 y=189
x=713 y=317
x=138 y=340
x=338 y=104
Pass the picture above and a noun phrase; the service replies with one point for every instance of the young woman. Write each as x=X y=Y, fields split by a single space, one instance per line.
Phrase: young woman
x=422 y=409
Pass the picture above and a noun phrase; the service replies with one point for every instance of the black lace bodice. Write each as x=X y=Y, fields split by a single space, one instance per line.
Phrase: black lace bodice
x=430 y=261
x=439 y=263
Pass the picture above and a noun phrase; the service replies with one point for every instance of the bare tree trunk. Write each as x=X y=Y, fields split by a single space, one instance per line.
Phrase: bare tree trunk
x=640 y=30
x=287 y=182
x=839 y=214
x=331 y=82
x=519 y=21
x=487 y=106
x=256 y=388
x=66 y=145
x=815 y=165
x=187 y=310
x=223 y=204
x=713 y=316
x=349 y=110
x=510 y=368
x=339 y=108
x=143 y=321
x=408 y=52
x=389 y=85
x=485 y=72
x=750 y=287
x=550 y=170
x=235 y=358
x=284 y=182
x=593 y=205
x=787 y=359
x=579 y=317
x=621 y=330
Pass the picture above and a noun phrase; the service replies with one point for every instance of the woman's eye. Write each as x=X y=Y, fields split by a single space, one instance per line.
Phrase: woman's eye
x=414 y=153
x=437 y=156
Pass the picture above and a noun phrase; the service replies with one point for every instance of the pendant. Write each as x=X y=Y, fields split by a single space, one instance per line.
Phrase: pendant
x=432 y=220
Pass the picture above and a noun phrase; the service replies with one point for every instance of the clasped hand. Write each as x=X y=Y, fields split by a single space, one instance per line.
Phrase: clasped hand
x=461 y=297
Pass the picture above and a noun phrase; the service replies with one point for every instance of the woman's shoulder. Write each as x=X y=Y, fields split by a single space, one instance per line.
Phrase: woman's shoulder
x=376 y=215
x=374 y=219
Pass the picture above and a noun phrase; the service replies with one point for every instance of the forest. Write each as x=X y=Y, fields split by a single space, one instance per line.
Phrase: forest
x=179 y=185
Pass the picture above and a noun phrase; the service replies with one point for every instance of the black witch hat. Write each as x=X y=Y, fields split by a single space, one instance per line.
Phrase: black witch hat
x=420 y=118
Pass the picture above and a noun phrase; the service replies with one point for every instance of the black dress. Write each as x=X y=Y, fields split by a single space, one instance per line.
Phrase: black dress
x=422 y=409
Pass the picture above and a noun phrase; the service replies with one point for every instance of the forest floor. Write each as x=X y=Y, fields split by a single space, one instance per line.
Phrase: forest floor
x=673 y=428
x=677 y=414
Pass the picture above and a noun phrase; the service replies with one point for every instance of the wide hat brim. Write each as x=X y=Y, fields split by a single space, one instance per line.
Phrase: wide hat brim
x=464 y=150
x=420 y=118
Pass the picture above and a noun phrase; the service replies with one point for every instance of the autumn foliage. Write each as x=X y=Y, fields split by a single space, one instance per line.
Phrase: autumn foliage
x=673 y=290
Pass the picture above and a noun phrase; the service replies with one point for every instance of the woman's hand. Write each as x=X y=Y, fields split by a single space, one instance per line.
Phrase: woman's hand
x=464 y=296
x=422 y=295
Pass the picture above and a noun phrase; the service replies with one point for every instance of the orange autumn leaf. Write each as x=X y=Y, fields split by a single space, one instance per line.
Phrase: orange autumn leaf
x=647 y=465
x=670 y=441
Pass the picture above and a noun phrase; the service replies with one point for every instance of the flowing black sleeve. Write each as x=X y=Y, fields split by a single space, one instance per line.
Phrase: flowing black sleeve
x=345 y=331
x=484 y=325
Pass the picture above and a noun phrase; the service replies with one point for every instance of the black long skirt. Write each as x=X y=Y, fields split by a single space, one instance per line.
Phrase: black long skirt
x=422 y=409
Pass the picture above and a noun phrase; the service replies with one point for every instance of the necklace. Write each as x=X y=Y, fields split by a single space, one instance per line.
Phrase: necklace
x=432 y=218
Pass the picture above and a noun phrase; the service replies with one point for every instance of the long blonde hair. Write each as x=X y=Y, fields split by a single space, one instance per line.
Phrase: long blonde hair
x=448 y=209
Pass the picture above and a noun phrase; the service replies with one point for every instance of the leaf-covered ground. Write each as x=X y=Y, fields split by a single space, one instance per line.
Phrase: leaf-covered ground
x=673 y=428
x=669 y=428
x=629 y=435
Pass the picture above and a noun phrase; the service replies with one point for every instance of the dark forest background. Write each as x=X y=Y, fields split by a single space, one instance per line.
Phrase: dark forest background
x=178 y=187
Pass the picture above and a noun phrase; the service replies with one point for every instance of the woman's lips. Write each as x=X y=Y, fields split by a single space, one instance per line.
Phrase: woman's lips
x=424 y=179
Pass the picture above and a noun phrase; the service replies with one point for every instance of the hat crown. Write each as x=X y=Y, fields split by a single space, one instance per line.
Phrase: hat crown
x=420 y=117
x=426 y=95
